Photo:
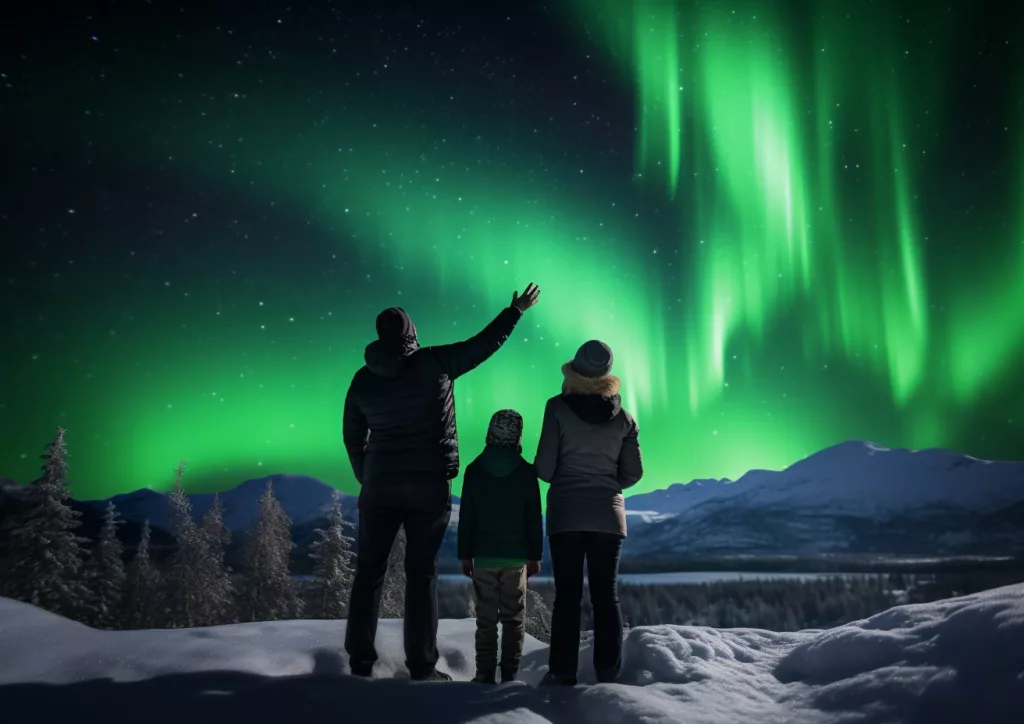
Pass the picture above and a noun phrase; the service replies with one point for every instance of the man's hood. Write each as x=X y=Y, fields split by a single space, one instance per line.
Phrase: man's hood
x=388 y=359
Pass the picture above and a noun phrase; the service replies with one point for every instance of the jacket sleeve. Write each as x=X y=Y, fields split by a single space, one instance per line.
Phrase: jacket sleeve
x=546 y=461
x=631 y=463
x=355 y=434
x=534 y=517
x=459 y=358
x=467 y=515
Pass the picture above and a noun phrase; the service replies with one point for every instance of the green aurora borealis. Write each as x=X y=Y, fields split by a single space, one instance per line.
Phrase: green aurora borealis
x=796 y=223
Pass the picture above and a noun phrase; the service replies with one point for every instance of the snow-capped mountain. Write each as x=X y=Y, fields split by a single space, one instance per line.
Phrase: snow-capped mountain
x=855 y=497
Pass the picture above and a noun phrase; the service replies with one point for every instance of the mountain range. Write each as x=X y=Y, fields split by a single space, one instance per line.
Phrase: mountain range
x=855 y=498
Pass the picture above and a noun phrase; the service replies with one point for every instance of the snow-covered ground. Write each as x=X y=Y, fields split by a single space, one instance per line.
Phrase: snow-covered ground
x=960 y=660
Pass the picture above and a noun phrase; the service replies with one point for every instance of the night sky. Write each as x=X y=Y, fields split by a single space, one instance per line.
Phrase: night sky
x=796 y=224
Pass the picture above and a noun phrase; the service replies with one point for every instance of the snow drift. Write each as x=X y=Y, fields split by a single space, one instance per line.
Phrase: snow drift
x=960 y=660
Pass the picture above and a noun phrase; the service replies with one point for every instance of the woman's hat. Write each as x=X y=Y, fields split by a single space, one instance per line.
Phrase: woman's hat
x=593 y=359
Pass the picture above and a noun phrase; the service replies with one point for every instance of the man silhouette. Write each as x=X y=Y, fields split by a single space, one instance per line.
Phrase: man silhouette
x=399 y=431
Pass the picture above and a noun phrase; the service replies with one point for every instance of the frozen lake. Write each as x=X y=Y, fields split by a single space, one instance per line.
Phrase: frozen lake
x=653 y=579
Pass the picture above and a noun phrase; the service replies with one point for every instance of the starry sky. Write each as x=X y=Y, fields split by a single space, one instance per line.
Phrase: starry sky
x=796 y=223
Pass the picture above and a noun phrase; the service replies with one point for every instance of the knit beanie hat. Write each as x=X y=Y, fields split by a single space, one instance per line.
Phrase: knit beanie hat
x=506 y=429
x=593 y=359
x=394 y=323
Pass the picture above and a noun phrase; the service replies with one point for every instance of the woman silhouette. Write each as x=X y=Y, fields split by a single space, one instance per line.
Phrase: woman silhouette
x=589 y=452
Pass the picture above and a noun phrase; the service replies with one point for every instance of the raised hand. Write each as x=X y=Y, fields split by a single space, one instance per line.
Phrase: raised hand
x=529 y=298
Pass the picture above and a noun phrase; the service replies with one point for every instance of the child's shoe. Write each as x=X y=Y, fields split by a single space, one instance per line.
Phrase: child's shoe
x=484 y=677
x=508 y=674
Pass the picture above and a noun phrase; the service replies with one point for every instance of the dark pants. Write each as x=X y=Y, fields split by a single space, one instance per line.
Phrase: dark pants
x=424 y=509
x=601 y=551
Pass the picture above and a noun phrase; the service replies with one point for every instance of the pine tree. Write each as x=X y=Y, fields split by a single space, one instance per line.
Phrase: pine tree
x=105 y=572
x=220 y=592
x=191 y=590
x=269 y=594
x=392 y=598
x=332 y=553
x=142 y=588
x=43 y=554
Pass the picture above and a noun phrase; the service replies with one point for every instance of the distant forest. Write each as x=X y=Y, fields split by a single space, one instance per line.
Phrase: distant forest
x=775 y=605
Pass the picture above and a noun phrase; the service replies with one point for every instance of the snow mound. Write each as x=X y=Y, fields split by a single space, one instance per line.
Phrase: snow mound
x=960 y=660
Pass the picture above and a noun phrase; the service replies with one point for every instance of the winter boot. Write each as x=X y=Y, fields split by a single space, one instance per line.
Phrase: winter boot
x=434 y=675
x=362 y=670
x=508 y=674
x=484 y=677
x=552 y=679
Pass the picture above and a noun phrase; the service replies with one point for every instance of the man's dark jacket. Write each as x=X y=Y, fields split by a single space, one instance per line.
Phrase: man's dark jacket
x=404 y=396
x=500 y=514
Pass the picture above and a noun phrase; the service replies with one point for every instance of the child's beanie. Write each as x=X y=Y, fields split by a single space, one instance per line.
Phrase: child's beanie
x=506 y=429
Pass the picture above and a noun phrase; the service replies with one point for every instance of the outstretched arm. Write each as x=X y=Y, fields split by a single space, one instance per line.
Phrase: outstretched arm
x=459 y=358
x=631 y=463
x=355 y=433
x=546 y=461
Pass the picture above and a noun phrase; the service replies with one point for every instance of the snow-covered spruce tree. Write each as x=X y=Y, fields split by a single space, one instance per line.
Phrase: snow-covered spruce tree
x=268 y=591
x=332 y=568
x=43 y=554
x=220 y=592
x=190 y=587
x=105 y=573
x=142 y=588
x=392 y=598
x=538 y=617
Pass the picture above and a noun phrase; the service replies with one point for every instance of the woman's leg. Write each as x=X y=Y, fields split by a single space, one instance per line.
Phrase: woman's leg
x=603 y=550
x=567 y=553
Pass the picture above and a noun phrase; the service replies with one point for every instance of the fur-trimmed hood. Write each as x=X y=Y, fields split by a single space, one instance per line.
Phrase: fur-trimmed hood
x=593 y=399
x=577 y=384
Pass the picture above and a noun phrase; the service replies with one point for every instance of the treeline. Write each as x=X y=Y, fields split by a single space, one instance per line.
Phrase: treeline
x=45 y=563
x=774 y=605
x=825 y=563
x=790 y=605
